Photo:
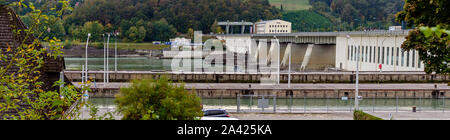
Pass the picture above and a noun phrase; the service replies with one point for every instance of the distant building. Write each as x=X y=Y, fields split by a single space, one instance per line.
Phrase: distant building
x=273 y=27
x=395 y=28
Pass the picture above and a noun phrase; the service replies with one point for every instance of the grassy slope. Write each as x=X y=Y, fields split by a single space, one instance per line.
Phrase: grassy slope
x=291 y=5
x=306 y=20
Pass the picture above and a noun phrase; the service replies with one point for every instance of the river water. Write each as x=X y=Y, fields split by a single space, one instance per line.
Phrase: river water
x=131 y=64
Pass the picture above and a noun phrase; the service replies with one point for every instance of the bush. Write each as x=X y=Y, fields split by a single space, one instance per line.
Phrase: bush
x=68 y=44
x=158 y=100
x=98 y=45
x=360 y=115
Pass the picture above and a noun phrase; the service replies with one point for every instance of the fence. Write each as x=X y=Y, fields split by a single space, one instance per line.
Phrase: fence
x=252 y=103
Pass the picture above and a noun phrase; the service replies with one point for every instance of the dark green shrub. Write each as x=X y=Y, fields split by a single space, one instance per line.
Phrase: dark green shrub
x=68 y=44
x=158 y=100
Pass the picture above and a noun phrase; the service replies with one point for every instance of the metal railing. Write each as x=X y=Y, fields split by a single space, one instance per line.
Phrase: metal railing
x=252 y=103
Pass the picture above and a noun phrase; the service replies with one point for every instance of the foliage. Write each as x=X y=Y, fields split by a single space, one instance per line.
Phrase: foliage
x=360 y=115
x=161 y=31
x=358 y=14
x=308 y=21
x=215 y=28
x=95 y=28
x=431 y=38
x=161 y=19
x=190 y=33
x=291 y=5
x=21 y=90
x=133 y=33
x=158 y=100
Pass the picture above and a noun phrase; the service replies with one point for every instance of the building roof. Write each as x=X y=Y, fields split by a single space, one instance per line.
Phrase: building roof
x=49 y=73
x=263 y=22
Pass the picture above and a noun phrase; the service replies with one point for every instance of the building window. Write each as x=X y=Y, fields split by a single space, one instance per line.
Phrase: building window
x=414 y=58
x=367 y=53
x=403 y=57
x=374 y=54
x=370 y=56
x=396 y=56
x=351 y=58
x=382 y=56
x=379 y=52
x=392 y=57
x=407 y=59
x=348 y=52
x=359 y=54
x=387 y=56
x=362 y=52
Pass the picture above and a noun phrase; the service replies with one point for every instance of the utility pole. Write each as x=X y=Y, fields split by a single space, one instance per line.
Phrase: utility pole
x=290 y=57
x=104 y=59
x=87 y=45
x=357 y=74
x=107 y=59
x=86 y=65
x=115 y=58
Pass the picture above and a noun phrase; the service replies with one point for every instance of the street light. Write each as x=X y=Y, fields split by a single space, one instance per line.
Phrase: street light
x=104 y=59
x=87 y=43
x=115 y=57
x=107 y=59
x=357 y=74
x=86 y=73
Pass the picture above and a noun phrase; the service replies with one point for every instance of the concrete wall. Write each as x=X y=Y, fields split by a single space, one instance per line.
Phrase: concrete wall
x=300 y=93
x=308 y=77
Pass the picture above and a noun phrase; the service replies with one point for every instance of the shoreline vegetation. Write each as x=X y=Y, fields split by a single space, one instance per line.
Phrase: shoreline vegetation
x=120 y=45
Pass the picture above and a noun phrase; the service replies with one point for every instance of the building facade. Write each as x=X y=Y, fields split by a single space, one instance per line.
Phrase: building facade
x=273 y=27
x=375 y=49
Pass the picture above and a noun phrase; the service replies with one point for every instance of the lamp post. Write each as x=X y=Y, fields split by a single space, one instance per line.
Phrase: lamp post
x=87 y=43
x=290 y=57
x=104 y=59
x=107 y=59
x=357 y=74
x=86 y=65
x=115 y=58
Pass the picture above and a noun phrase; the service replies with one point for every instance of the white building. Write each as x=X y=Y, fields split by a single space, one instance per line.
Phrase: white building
x=376 y=48
x=273 y=27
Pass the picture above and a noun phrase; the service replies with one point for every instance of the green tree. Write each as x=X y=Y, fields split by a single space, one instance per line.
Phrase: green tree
x=133 y=34
x=141 y=34
x=158 y=100
x=95 y=28
x=431 y=37
x=162 y=31
x=190 y=33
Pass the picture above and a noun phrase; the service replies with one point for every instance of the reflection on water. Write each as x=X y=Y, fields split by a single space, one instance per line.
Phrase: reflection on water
x=131 y=64
x=315 y=104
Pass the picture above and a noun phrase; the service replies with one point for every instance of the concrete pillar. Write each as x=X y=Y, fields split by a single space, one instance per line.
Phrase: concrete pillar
x=307 y=57
x=243 y=27
x=228 y=27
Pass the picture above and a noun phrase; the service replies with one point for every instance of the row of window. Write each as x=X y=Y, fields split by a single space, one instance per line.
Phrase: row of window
x=278 y=31
x=385 y=55
x=278 y=26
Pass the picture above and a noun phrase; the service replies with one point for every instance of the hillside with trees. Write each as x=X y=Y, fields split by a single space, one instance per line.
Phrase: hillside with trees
x=152 y=20
x=358 y=14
